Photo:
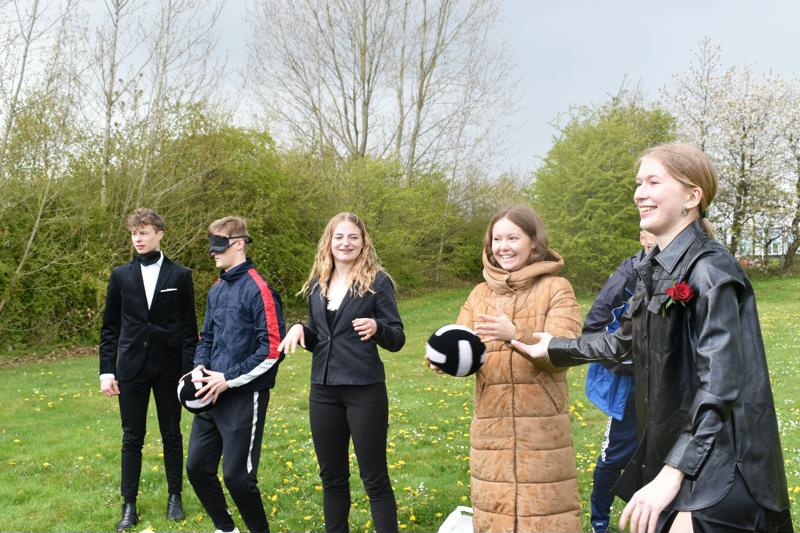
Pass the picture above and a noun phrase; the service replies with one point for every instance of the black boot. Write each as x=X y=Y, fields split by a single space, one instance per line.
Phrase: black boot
x=129 y=516
x=175 y=507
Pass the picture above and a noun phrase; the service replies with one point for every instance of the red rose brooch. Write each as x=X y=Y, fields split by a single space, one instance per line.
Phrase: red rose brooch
x=680 y=293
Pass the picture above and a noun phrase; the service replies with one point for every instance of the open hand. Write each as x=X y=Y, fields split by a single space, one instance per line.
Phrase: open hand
x=293 y=337
x=647 y=503
x=495 y=327
x=534 y=352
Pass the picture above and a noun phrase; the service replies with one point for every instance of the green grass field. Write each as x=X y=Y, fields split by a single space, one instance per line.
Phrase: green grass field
x=60 y=437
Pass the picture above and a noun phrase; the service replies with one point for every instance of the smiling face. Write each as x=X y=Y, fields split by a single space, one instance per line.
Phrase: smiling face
x=661 y=200
x=346 y=243
x=146 y=239
x=511 y=246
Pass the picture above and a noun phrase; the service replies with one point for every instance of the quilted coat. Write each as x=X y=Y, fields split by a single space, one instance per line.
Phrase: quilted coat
x=522 y=461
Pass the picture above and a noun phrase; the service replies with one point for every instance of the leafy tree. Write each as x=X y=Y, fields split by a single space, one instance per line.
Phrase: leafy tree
x=584 y=188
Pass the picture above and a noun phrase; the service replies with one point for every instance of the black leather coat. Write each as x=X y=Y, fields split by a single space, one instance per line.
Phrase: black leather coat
x=703 y=398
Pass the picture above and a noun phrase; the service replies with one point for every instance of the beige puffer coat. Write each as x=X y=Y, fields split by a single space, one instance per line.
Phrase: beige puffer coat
x=522 y=461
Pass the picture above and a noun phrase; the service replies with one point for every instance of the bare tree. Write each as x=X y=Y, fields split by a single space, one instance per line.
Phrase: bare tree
x=421 y=81
x=40 y=147
x=26 y=30
x=694 y=98
x=152 y=61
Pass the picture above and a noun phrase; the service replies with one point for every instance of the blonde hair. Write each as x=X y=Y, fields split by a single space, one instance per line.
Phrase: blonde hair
x=528 y=221
x=691 y=167
x=366 y=266
x=229 y=226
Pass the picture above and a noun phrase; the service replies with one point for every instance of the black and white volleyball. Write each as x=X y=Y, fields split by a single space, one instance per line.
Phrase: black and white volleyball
x=186 y=393
x=456 y=350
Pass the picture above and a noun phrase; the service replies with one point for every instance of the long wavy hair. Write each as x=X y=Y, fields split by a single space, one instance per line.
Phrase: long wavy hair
x=366 y=266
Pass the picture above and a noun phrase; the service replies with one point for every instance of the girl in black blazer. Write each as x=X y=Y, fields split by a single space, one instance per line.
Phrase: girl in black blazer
x=351 y=311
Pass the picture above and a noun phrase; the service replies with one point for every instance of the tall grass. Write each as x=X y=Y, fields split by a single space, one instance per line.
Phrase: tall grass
x=60 y=437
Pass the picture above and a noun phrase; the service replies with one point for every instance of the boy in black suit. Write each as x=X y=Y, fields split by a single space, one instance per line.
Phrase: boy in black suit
x=147 y=342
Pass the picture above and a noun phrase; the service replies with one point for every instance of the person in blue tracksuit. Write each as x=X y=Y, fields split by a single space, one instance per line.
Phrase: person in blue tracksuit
x=238 y=349
x=610 y=386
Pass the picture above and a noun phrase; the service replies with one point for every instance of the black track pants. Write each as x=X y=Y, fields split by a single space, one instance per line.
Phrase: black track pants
x=234 y=428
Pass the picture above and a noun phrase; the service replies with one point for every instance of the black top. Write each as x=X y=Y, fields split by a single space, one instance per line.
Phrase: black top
x=340 y=357
x=703 y=398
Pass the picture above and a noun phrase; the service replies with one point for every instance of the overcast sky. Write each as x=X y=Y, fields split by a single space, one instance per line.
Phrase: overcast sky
x=578 y=52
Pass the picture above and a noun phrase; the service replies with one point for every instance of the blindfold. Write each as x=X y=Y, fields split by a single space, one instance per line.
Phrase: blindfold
x=217 y=244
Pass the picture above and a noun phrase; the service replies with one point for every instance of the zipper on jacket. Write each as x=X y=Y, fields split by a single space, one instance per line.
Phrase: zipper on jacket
x=514 y=418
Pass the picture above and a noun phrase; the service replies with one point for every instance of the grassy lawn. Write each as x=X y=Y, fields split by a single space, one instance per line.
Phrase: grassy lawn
x=60 y=438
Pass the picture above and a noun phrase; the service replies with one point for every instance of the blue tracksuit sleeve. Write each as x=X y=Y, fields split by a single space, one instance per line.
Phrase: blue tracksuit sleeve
x=608 y=305
x=268 y=330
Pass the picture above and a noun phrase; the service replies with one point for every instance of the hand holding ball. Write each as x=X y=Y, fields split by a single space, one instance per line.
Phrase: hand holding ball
x=187 y=390
x=456 y=350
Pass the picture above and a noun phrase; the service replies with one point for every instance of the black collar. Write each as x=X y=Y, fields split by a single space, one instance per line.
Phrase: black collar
x=150 y=258
x=675 y=250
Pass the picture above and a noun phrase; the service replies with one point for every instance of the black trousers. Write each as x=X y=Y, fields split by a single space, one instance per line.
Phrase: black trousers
x=361 y=411
x=233 y=428
x=134 y=397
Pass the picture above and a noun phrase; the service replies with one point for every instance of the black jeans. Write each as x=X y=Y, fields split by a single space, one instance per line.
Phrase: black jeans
x=233 y=428
x=134 y=397
x=361 y=411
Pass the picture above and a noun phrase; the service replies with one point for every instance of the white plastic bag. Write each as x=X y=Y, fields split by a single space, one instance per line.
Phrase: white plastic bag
x=459 y=521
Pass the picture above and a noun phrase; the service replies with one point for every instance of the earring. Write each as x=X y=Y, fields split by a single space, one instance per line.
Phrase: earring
x=684 y=211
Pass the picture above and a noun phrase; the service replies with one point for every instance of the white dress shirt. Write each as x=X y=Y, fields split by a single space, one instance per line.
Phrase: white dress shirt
x=150 y=277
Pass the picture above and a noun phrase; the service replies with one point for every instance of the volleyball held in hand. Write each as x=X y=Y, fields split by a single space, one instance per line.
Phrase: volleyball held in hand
x=187 y=390
x=456 y=350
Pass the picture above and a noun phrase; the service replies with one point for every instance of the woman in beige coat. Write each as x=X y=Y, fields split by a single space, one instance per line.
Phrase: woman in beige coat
x=522 y=461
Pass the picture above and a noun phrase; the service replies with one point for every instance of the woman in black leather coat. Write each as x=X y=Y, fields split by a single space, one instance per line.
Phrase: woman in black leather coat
x=709 y=455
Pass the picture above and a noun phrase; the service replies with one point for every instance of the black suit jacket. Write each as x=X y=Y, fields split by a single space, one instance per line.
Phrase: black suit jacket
x=167 y=331
x=340 y=356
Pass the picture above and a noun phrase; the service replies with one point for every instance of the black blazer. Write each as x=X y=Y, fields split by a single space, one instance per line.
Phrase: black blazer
x=340 y=357
x=167 y=331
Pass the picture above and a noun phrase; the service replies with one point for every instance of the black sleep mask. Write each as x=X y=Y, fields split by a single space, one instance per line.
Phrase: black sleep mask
x=217 y=244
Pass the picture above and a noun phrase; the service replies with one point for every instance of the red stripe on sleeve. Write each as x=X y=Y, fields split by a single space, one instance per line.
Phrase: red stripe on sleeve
x=270 y=312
